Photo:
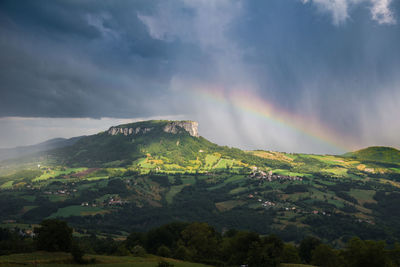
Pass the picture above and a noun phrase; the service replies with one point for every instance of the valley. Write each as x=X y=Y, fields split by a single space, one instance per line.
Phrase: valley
x=123 y=180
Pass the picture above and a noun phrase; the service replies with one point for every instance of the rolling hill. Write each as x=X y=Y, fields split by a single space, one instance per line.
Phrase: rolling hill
x=17 y=152
x=377 y=153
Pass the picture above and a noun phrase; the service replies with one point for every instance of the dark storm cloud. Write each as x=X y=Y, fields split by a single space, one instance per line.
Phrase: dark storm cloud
x=82 y=58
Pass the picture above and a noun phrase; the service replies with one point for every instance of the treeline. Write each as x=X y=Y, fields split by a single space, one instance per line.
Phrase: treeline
x=200 y=242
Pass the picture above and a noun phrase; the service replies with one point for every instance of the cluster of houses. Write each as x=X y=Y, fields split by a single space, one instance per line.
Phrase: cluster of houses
x=60 y=192
x=116 y=201
x=86 y=204
x=269 y=176
x=269 y=204
x=113 y=201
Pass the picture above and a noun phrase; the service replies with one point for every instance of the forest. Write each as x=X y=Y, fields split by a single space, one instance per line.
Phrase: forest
x=198 y=242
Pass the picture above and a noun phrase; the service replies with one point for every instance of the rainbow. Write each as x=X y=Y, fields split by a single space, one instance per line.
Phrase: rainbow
x=251 y=103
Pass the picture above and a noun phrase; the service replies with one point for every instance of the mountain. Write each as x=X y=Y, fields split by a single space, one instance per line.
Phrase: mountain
x=175 y=142
x=17 y=152
x=377 y=153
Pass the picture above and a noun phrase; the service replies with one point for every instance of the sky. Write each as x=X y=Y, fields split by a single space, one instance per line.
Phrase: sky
x=312 y=76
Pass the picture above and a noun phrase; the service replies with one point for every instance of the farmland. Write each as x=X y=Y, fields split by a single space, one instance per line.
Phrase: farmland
x=110 y=184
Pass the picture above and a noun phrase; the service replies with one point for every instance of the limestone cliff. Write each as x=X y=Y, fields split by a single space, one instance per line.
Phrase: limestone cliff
x=173 y=127
x=190 y=126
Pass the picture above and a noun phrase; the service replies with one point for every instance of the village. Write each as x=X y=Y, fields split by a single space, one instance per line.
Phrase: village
x=270 y=176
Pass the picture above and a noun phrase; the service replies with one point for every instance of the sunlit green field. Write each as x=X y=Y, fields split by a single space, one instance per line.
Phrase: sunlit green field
x=55 y=173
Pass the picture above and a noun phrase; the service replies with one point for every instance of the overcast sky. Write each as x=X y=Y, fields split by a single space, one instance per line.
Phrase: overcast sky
x=330 y=70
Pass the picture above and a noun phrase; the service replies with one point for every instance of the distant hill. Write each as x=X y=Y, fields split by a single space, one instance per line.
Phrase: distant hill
x=377 y=153
x=17 y=152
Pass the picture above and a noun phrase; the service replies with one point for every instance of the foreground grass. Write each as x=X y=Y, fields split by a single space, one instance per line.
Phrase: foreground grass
x=60 y=259
x=295 y=265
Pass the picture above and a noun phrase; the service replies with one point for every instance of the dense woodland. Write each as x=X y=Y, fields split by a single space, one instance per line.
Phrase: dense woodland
x=200 y=242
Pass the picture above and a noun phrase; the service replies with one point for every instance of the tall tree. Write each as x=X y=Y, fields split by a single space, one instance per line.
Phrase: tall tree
x=54 y=235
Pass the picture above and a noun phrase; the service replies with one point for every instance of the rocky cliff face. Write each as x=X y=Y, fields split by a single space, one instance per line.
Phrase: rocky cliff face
x=189 y=126
x=173 y=127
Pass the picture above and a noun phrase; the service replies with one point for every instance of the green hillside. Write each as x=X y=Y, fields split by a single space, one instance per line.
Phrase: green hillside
x=121 y=150
x=377 y=153
x=142 y=175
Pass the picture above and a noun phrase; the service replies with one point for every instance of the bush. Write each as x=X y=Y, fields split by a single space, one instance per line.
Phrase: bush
x=164 y=251
x=138 y=251
x=182 y=253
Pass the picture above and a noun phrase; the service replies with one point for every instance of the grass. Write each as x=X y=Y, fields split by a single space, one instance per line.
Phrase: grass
x=363 y=196
x=271 y=155
x=172 y=192
x=97 y=178
x=336 y=171
x=7 y=185
x=77 y=211
x=233 y=178
x=228 y=205
x=237 y=190
x=295 y=265
x=188 y=180
x=224 y=163
x=393 y=183
x=55 y=173
x=61 y=259
x=211 y=160
x=56 y=198
x=289 y=173
x=27 y=208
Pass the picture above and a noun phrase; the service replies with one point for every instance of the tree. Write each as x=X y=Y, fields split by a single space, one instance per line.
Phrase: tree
x=324 y=256
x=236 y=246
x=394 y=255
x=201 y=240
x=164 y=251
x=266 y=253
x=77 y=253
x=307 y=245
x=135 y=239
x=182 y=253
x=54 y=235
x=138 y=251
x=290 y=254
x=367 y=253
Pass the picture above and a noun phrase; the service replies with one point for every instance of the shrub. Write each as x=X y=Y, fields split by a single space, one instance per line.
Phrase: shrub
x=164 y=251
x=138 y=251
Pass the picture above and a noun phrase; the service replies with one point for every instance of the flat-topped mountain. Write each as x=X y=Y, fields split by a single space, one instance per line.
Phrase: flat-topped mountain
x=173 y=127
x=177 y=141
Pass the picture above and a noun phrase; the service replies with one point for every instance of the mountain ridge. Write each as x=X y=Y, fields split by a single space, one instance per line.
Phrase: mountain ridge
x=377 y=153
x=21 y=151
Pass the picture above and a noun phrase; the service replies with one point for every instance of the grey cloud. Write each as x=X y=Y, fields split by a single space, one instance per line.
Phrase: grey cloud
x=132 y=59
